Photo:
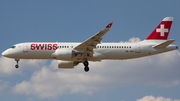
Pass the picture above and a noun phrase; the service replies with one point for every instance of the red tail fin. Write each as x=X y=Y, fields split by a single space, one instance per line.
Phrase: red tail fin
x=161 y=32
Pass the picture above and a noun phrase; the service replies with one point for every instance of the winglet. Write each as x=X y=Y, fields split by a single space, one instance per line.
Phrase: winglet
x=109 y=25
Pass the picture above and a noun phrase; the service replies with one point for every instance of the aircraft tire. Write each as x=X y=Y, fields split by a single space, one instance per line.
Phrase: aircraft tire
x=17 y=66
x=86 y=69
x=86 y=63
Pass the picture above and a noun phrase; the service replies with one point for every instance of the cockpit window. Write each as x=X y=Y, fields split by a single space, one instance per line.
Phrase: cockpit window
x=13 y=47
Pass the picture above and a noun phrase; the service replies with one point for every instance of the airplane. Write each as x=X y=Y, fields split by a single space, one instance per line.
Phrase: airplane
x=71 y=54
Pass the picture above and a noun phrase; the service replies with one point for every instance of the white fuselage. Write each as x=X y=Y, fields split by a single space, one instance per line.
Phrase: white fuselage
x=45 y=50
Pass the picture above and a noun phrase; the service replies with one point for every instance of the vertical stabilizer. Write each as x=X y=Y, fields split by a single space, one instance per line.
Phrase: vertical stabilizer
x=161 y=32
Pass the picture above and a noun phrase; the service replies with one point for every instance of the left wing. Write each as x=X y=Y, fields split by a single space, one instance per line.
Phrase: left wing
x=87 y=46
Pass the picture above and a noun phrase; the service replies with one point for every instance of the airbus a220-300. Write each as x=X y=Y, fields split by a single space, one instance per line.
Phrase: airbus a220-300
x=71 y=54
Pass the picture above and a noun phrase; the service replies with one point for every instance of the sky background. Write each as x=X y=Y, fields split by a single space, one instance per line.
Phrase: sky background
x=153 y=78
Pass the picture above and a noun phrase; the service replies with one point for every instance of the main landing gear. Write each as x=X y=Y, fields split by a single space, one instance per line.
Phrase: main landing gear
x=86 y=68
x=17 y=60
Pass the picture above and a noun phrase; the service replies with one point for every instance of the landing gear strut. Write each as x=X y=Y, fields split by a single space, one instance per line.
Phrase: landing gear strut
x=17 y=60
x=86 y=68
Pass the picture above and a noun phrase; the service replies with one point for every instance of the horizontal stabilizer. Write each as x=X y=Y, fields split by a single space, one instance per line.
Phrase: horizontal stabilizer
x=164 y=44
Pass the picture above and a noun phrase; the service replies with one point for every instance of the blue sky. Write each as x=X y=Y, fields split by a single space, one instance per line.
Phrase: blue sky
x=155 y=77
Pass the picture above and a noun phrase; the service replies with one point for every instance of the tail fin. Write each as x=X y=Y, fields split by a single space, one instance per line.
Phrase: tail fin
x=161 y=32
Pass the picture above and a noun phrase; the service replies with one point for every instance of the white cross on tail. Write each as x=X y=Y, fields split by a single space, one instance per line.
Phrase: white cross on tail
x=162 y=30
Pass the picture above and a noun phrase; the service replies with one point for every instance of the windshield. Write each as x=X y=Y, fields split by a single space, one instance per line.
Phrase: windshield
x=13 y=47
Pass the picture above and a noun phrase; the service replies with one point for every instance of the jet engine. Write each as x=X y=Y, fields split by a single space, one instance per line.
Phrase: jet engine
x=63 y=54
x=66 y=64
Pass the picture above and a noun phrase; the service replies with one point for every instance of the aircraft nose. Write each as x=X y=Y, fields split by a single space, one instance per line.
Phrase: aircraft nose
x=5 y=53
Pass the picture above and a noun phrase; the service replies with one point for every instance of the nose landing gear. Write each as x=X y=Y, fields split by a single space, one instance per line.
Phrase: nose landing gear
x=17 y=60
x=86 y=68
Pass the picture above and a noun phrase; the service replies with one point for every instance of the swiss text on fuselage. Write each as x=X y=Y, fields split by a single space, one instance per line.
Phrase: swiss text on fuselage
x=44 y=46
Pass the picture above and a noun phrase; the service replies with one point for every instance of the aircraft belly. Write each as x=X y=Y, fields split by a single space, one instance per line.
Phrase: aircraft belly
x=37 y=54
x=121 y=54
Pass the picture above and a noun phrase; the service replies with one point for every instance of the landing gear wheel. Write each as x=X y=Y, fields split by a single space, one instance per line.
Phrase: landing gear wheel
x=86 y=63
x=17 y=66
x=86 y=69
x=17 y=60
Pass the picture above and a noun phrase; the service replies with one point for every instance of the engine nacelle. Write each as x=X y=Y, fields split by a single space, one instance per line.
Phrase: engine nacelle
x=66 y=64
x=62 y=54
